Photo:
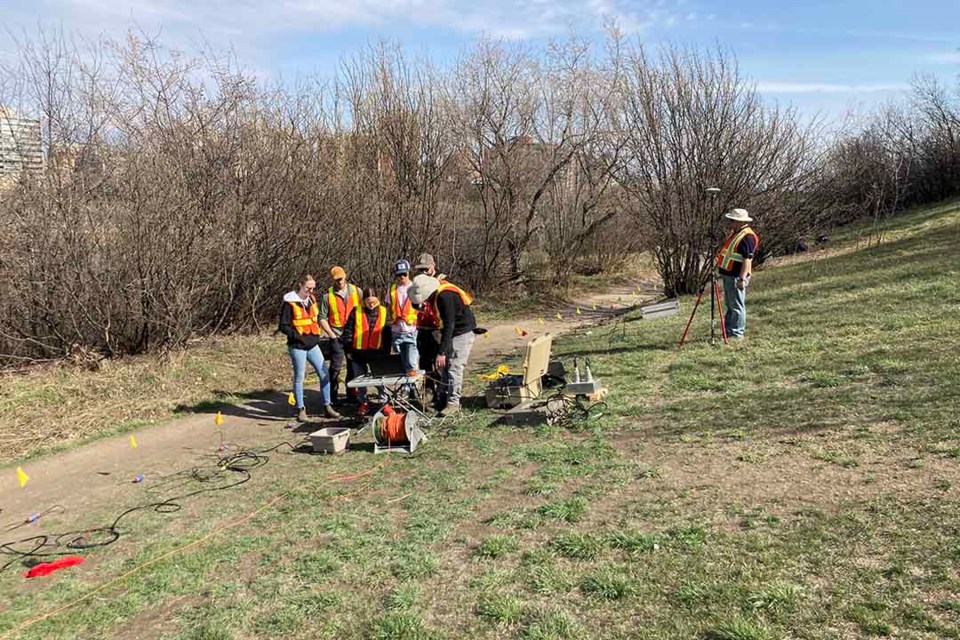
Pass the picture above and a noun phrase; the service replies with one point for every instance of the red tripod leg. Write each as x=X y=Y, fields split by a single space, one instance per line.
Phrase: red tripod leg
x=690 y=321
x=723 y=324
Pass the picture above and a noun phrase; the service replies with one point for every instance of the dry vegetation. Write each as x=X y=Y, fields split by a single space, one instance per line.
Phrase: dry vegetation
x=182 y=196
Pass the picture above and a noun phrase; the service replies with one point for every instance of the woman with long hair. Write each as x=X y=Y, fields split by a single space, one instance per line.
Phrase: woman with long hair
x=299 y=321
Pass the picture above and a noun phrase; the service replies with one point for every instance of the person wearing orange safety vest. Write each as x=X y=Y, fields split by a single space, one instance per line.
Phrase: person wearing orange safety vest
x=735 y=263
x=456 y=325
x=366 y=331
x=403 y=320
x=337 y=303
x=428 y=328
x=299 y=321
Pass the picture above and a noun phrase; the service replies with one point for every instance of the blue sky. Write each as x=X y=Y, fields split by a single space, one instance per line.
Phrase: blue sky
x=824 y=56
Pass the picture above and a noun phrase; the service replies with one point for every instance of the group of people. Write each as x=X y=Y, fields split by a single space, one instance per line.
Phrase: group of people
x=427 y=321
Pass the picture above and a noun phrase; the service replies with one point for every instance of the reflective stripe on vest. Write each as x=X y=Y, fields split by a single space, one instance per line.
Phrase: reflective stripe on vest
x=305 y=320
x=339 y=308
x=728 y=255
x=464 y=296
x=366 y=337
x=408 y=314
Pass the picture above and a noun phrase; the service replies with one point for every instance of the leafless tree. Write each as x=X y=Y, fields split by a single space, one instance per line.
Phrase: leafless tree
x=691 y=121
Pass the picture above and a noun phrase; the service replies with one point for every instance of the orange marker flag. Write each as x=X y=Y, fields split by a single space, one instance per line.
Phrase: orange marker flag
x=133 y=442
x=219 y=419
x=22 y=477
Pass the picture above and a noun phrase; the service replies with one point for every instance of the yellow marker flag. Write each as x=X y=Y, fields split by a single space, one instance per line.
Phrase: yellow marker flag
x=518 y=330
x=22 y=477
x=559 y=317
x=594 y=307
x=133 y=442
x=486 y=335
x=578 y=311
x=539 y=320
x=291 y=400
x=219 y=419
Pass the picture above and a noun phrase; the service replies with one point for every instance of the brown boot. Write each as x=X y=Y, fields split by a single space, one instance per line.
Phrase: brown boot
x=450 y=409
x=331 y=412
x=302 y=415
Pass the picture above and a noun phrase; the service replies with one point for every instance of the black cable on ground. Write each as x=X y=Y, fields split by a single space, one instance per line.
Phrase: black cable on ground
x=235 y=467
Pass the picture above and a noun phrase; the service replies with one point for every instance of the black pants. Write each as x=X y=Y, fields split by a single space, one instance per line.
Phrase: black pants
x=337 y=361
x=428 y=347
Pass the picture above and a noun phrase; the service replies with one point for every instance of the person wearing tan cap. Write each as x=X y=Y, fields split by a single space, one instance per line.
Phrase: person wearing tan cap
x=735 y=263
x=335 y=307
x=428 y=325
x=427 y=265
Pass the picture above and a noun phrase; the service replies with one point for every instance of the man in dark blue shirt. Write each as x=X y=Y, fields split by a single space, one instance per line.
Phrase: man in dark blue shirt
x=735 y=262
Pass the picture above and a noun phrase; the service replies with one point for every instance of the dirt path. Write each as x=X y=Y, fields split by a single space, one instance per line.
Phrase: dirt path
x=102 y=471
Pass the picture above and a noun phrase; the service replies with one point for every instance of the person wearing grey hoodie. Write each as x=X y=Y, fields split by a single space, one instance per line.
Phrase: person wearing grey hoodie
x=299 y=315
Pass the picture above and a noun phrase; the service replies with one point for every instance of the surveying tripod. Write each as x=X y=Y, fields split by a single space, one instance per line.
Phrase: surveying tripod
x=715 y=305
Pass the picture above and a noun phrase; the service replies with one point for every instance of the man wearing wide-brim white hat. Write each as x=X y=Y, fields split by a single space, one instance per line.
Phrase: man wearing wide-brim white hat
x=735 y=262
x=457 y=325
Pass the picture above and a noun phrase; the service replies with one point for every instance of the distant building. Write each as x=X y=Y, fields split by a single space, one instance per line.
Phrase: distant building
x=20 y=145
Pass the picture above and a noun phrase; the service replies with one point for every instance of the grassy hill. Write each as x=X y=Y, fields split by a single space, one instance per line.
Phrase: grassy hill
x=803 y=484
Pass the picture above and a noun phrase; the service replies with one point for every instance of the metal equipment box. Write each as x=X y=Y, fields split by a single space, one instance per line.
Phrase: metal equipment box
x=513 y=390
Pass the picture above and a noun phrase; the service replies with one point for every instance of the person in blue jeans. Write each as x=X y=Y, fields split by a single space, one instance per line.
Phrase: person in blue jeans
x=299 y=321
x=403 y=321
x=735 y=263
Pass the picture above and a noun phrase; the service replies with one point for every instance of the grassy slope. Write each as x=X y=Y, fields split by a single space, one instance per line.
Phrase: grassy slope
x=801 y=485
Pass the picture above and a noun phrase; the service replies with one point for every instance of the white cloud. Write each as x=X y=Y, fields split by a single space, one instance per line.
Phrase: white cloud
x=825 y=87
x=248 y=22
x=948 y=57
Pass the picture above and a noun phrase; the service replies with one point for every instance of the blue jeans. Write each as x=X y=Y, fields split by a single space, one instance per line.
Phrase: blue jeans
x=735 y=301
x=406 y=345
x=299 y=358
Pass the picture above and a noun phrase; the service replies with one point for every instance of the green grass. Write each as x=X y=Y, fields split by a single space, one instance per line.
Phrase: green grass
x=800 y=485
x=500 y=608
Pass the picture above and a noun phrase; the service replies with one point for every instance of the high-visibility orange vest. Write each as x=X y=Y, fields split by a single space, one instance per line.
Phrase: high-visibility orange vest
x=366 y=337
x=305 y=320
x=406 y=313
x=464 y=296
x=339 y=308
x=728 y=254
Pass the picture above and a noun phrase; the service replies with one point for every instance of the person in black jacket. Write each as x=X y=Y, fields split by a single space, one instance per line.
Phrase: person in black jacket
x=366 y=331
x=299 y=322
x=457 y=325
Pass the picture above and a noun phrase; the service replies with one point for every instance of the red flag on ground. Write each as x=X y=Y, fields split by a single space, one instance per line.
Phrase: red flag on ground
x=46 y=568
